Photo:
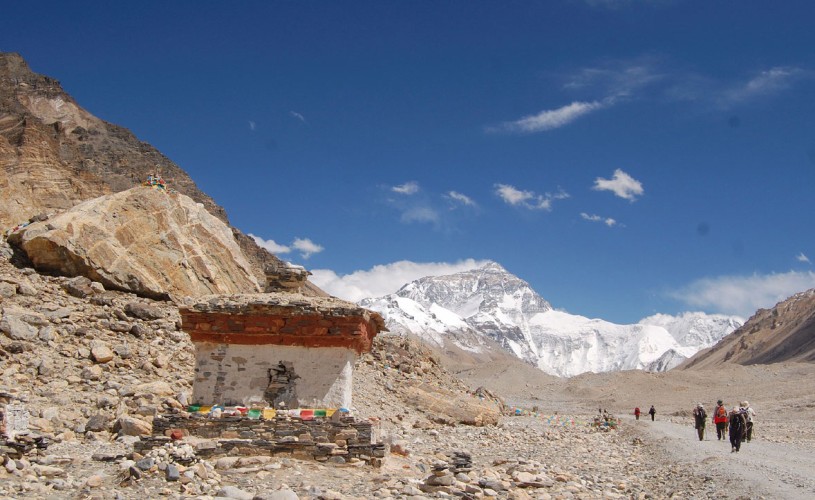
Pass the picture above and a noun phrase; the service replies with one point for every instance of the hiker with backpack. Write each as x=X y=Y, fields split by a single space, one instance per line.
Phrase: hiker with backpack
x=738 y=427
x=700 y=419
x=720 y=419
x=749 y=413
x=652 y=412
x=637 y=412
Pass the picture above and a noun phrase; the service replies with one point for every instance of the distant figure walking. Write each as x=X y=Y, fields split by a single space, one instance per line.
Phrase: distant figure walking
x=637 y=413
x=738 y=427
x=720 y=419
x=700 y=419
x=749 y=413
x=652 y=412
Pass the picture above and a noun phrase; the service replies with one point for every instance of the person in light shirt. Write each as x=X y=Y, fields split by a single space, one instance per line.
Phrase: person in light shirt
x=750 y=414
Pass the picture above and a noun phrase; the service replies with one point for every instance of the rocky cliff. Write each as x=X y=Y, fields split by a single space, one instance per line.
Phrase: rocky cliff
x=54 y=154
x=784 y=333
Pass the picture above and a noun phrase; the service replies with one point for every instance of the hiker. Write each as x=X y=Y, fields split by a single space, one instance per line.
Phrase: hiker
x=700 y=418
x=637 y=412
x=720 y=419
x=738 y=426
x=749 y=413
x=652 y=412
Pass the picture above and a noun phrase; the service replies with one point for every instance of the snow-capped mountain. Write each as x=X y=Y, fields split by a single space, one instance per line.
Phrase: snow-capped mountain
x=435 y=325
x=489 y=302
x=695 y=328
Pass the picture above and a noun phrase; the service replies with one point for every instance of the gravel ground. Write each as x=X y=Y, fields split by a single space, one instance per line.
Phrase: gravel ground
x=760 y=469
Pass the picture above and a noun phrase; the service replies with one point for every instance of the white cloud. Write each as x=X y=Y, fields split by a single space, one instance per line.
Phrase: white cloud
x=528 y=199
x=767 y=82
x=270 y=245
x=420 y=214
x=622 y=185
x=384 y=279
x=252 y=125
x=306 y=247
x=743 y=295
x=549 y=119
x=408 y=188
x=803 y=258
x=615 y=78
x=461 y=198
x=298 y=116
x=512 y=195
x=608 y=221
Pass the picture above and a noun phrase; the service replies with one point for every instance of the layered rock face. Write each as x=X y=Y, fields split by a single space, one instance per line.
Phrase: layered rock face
x=142 y=240
x=782 y=334
x=54 y=154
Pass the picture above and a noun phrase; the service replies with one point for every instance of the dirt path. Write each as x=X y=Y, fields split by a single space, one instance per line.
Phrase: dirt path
x=770 y=470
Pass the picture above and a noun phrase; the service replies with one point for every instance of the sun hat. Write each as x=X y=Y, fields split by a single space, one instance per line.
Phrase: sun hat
x=719 y=402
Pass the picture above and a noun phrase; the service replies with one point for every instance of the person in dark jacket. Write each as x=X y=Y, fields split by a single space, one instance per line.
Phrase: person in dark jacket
x=652 y=412
x=738 y=427
x=700 y=419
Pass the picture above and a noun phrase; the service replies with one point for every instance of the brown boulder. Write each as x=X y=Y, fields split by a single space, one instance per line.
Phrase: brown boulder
x=451 y=407
x=143 y=240
x=131 y=426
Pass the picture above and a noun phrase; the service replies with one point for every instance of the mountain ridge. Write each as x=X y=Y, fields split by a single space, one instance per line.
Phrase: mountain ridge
x=783 y=333
x=496 y=306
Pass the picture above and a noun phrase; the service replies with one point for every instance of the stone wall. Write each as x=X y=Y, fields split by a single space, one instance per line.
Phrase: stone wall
x=300 y=377
x=337 y=440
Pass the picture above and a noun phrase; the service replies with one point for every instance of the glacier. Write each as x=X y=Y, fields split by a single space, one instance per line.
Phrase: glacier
x=488 y=303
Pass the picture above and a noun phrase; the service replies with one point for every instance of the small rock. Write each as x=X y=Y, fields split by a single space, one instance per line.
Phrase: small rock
x=145 y=463
x=131 y=426
x=27 y=289
x=235 y=493
x=7 y=290
x=284 y=494
x=138 y=330
x=92 y=372
x=47 y=333
x=172 y=473
x=134 y=472
x=123 y=351
x=79 y=287
x=97 y=423
x=94 y=481
x=15 y=326
x=143 y=311
x=100 y=352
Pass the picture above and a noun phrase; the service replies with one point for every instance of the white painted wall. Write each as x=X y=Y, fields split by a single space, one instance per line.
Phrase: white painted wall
x=232 y=374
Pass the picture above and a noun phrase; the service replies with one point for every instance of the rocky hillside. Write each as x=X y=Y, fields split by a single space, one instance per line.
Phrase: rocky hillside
x=784 y=333
x=54 y=154
x=93 y=367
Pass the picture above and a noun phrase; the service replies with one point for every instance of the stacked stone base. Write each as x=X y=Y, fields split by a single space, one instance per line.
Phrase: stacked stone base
x=321 y=439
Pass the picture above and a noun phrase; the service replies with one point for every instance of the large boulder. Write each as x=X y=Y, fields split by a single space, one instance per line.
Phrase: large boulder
x=144 y=240
x=450 y=407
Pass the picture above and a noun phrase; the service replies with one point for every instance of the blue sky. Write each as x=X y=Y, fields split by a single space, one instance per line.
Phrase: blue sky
x=623 y=157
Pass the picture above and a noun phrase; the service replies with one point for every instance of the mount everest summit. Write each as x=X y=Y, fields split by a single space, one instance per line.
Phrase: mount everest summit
x=477 y=309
